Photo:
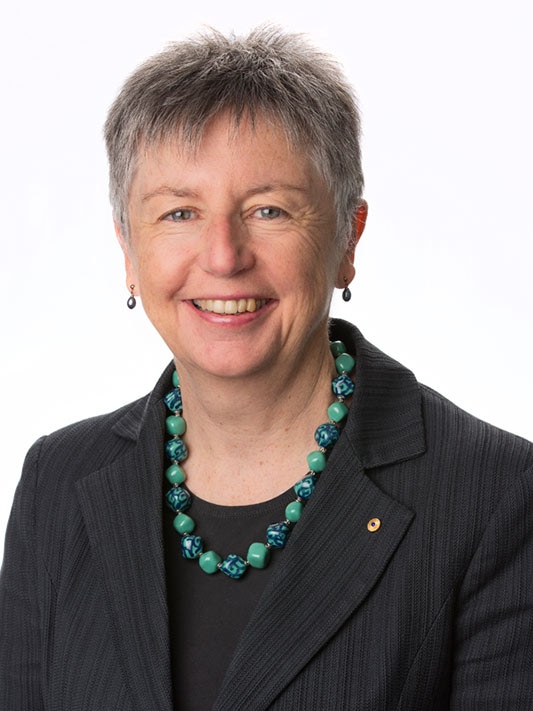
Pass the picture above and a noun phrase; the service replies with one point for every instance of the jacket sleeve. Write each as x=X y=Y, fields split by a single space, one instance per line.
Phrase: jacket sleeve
x=493 y=666
x=20 y=636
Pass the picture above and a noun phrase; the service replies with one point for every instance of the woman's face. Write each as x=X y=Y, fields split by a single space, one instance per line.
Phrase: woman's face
x=232 y=249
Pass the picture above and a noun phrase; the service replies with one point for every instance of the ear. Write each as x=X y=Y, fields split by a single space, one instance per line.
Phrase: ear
x=346 y=268
x=359 y=221
x=131 y=272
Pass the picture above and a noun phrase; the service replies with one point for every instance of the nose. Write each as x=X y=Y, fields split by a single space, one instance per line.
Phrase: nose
x=225 y=249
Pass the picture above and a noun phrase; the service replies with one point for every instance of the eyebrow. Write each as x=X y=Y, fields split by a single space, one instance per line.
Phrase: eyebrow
x=272 y=187
x=166 y=190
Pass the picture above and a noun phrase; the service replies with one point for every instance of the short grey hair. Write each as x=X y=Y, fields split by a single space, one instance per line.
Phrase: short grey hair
x=268 y=74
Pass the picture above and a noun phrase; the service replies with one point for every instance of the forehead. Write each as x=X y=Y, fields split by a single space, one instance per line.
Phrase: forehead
x=226 y=149
x=235 y=127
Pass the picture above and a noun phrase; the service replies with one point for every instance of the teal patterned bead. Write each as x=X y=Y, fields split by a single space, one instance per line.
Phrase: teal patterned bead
x=233 y=566
x=344 y=363
x=326 y=435
x=337 y=411
x=176 y=450
x=191 y=547
x=293 y=511
x=178 y=499
x=305 y=487
x=175 y=425
x=343 y=386
x=209 y=561
x=183 y=523
x=277 y=534
x=175 y=474
x=337 y=348
x=175 y=379
x=316 y=461
x=173 y=400
x=258 y=555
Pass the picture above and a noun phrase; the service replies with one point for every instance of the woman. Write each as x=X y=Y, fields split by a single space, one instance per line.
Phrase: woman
x=290 y=520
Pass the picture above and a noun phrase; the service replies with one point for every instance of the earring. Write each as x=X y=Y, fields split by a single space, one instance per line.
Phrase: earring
x=346 y=293
x=132 y=301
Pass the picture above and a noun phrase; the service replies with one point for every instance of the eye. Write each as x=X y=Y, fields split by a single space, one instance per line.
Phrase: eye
x=179 y=215
x=269 y=213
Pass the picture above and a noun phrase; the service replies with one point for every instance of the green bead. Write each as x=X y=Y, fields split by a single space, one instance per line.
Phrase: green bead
x=337 y=411
x=258 y=555
x=316 y=461
x=183 y=523
x=293 y=511
x=175 y=425
x=175 y=474
x=175 y=379
x=344 y=363
x=337 y=347
x=209 y=562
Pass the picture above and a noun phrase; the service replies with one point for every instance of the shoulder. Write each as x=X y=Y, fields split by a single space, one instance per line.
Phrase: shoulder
x=90 y=444
x=82 y=447
x=47 y=500
x=460 y=439
x=423 y=448
x=416 y=422
x=469 y=477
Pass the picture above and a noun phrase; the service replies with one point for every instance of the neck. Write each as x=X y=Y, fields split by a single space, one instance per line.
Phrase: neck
x=259 y=428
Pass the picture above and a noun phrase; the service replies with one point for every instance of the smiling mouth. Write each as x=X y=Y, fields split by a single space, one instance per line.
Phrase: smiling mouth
x=230 y=306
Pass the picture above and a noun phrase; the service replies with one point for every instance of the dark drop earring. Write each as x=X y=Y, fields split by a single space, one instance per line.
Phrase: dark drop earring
x=346 y=293
x=132 y=301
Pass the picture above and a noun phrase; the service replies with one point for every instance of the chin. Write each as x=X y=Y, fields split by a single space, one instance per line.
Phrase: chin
x=228 y=360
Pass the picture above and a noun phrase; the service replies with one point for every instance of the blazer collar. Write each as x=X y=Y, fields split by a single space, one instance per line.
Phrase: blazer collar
x=385 y=422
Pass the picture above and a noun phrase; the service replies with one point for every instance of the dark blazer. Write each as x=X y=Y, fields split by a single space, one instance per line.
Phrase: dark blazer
x=432 y=609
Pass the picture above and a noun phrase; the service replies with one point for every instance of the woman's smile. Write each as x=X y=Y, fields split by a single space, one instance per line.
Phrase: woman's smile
x=230 y=306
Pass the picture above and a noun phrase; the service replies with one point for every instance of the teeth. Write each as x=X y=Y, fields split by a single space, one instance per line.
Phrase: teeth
x=232 y=306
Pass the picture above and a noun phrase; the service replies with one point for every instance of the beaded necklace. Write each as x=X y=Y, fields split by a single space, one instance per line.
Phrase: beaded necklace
x=179 y=499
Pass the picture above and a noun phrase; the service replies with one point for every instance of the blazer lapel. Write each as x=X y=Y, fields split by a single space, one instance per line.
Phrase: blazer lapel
x=332 y=560
x=121 y=505
x=329 y=566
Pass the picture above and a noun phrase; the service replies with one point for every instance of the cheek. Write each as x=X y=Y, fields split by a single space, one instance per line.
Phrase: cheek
x=323 y=252
x=311 y=253
x=320 y=266
x=312 y=280
x=160 y=272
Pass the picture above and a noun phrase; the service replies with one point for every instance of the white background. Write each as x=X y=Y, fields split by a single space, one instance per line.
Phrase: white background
x=444 y=268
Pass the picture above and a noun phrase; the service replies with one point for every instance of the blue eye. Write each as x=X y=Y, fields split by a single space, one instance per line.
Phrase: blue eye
x=270 y=213
x=179 y=215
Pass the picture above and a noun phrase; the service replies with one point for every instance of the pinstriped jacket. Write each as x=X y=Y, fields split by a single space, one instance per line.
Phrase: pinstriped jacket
x=430 y=610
